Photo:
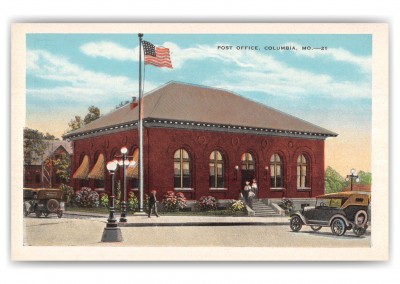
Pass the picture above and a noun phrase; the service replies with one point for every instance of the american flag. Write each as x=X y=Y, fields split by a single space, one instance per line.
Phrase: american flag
x=156 y=55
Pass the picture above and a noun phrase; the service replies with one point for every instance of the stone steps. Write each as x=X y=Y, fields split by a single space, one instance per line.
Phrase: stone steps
x=263 y=210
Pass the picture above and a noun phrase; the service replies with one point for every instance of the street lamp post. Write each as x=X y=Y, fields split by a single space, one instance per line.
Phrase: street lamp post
x=111 y=232
x=124 y=162
x=351 y=177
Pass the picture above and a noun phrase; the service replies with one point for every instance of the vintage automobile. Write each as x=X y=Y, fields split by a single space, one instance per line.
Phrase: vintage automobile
x=43 y=201
x=341 y=211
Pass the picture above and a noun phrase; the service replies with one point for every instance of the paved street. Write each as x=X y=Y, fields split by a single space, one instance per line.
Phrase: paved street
x=87 y=231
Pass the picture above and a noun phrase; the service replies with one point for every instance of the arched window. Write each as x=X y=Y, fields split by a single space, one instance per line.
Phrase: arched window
x=303 y=172
x=216 y=170
x=181 y=169
x=276 y=170
x=247 y=161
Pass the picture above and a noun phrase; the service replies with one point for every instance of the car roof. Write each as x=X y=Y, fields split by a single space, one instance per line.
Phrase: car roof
x=344 y=194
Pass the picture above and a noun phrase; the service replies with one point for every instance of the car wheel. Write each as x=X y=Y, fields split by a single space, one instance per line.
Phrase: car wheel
x=316 y=228
x=59 y=214
x=38 y=213
x=296 y=223
x=53 y=205
x=361 y=218
x=338 y=227
x=359 y=231
x=26 y=213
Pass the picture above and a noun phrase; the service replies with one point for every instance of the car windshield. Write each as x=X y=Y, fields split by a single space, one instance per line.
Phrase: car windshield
x=330 y=202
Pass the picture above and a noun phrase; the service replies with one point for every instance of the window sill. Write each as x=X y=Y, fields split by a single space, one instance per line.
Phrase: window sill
x=218 y=189
x=99 y=189
x=183 y=189
x=277 y=189
x=304 y=189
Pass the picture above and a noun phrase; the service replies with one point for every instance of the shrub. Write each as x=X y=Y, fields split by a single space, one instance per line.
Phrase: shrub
x=207 y=203
x=68 y=194
x=87 y=198
x=287 y=205
x=237 y=206
x=104 y=200
x=173 y=201
x=133 y=202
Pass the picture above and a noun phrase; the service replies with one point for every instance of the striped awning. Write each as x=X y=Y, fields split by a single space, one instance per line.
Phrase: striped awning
x=97 y=171
x=132 y=172
x=83 y=170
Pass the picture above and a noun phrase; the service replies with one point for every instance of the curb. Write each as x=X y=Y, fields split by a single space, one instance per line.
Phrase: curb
x=199 y=224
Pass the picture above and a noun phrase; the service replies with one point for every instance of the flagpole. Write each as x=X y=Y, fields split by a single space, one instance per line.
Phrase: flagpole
x=141 y=167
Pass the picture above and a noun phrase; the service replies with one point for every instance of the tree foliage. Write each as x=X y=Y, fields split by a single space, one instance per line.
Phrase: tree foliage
x=121 y=104
x=78 y=122
x=94 y=113
x=34 y=145
x=365 y=177
x=334 y=182
x=63 y=167
x=75 y=123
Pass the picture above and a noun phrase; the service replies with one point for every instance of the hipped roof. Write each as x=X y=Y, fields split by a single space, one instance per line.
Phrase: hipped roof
x=184 y=102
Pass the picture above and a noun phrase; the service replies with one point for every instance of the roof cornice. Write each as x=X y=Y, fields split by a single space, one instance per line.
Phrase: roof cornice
x=194 y=125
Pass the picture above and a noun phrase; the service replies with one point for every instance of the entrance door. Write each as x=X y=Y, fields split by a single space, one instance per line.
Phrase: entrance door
x=248 y=168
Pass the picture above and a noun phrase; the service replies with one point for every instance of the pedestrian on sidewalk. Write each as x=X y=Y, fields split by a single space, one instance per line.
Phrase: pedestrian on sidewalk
x=153 y=203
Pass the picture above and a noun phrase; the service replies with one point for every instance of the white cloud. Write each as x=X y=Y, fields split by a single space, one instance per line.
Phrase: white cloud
x=253 y=71
x=74 y=81
x=109 y=50
x=336 y=54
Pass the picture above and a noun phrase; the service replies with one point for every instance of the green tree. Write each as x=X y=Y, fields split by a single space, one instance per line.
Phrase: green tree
x=365 y=177
x=94 y=113
x=75 y=123
x=34 y=145
x=63 y=165
x=121 y=104
x=334 y=182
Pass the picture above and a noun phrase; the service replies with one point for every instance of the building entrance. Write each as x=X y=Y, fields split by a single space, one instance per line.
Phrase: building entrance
x=248 y=168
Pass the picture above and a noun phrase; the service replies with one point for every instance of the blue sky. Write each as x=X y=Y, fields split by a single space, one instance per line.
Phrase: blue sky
x=66 y=73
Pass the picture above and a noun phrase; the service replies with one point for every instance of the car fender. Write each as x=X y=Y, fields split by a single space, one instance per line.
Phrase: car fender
x=341 y=217
x=301 y=217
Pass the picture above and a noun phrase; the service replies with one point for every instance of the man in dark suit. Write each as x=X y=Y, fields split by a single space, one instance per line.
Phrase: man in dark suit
x=153 y=203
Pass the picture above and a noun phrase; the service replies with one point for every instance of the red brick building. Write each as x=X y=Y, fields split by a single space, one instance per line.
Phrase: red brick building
x=42 y=173
x=204 y=141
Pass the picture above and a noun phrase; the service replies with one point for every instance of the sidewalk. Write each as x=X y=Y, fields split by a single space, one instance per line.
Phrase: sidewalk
x=141 y=220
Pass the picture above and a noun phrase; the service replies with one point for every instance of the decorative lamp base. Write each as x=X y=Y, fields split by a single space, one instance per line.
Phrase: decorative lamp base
x=112 y=235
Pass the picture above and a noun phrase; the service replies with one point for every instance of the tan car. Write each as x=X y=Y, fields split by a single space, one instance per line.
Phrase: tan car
x=341 y=211
x=43 y=201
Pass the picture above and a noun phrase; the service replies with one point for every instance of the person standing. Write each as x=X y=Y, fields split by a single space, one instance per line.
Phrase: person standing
x=153 y=203
x=254 y=188
x=246 y=191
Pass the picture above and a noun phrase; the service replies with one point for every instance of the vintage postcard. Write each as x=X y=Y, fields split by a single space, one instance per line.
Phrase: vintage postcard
x=200 y=142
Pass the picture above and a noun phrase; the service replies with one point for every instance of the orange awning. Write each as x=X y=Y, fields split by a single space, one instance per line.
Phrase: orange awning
x=98 y=170
x=83 y=170
x=132 y=172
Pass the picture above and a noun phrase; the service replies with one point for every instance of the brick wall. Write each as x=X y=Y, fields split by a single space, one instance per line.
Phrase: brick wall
x=161 y=144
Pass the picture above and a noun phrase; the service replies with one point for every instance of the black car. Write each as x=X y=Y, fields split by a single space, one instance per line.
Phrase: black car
x=341 y=211
x=43 y=201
